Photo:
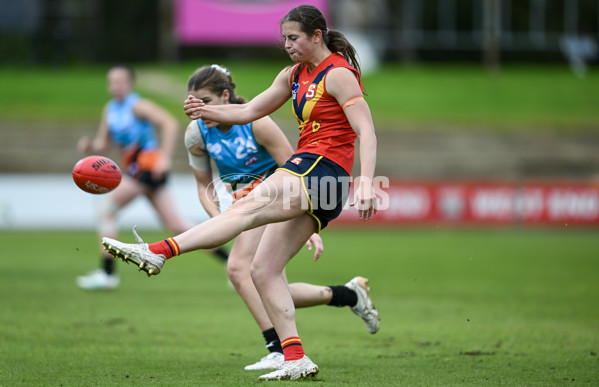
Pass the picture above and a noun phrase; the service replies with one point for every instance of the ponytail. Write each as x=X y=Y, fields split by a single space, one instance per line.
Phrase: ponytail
x=337 y=42
x=311 y=19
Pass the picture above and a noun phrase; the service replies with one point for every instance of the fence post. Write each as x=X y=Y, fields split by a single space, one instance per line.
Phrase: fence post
x=491 y=34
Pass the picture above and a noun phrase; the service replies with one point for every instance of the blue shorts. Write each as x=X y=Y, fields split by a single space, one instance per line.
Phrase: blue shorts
x=325 y=183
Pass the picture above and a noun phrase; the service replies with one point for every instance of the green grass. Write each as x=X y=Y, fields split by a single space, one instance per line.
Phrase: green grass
x=531 y=97
x=61 y=95
x=458 y=307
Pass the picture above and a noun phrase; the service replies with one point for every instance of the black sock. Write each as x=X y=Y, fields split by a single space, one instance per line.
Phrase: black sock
x=273 y=343
x=221 y=253
x=343 y=296
x=108 y=265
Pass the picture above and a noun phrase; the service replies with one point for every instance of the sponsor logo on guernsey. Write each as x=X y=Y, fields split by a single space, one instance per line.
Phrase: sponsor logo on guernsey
x=251 y=160
x=294 y=89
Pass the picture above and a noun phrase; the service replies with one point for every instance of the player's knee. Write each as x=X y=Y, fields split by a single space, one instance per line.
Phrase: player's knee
x=238 y=271
x=245 y=213
x=262 y=273
x=257 y=273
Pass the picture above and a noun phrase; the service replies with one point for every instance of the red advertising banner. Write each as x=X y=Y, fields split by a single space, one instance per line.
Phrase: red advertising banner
x=232 y=22
x=492 y=203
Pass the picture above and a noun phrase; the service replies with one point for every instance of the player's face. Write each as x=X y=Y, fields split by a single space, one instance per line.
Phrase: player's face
x=211 y=98
x=297 y=44
x=119 y=83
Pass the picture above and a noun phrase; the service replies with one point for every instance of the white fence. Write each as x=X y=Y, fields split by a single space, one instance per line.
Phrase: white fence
x=53 y=201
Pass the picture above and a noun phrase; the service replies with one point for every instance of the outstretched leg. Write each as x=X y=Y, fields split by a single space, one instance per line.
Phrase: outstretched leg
x=278 y=198
x=163 y=202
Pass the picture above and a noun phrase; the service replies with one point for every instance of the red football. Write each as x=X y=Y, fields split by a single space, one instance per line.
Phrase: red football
x=96 y=174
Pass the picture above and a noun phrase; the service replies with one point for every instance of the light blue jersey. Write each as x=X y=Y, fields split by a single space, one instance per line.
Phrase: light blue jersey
x=237 y=155
x=126 y=129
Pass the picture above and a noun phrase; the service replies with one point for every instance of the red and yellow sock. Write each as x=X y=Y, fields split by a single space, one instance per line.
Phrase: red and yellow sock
x=168 y=247
x=292 y=348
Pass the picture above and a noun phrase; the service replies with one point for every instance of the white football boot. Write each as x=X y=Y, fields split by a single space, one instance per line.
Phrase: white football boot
x=293 y=369
x=272 y=361
x=98 y=280
x=138 y=253
x=364 y=307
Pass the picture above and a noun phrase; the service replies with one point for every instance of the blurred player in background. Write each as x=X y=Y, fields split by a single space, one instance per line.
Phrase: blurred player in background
x=245 y=155
x=129 y=121
x=295 y=201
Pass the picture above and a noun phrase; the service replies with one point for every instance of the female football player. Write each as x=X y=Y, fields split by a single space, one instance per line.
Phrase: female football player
x=308 y=191
x=245 y=155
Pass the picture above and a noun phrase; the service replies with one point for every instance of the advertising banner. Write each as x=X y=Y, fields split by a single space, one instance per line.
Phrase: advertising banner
x=233 y=22
x=491 y=203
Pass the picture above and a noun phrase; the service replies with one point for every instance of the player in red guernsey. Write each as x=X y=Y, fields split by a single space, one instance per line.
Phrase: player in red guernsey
x=303 y=195
x=324 y=128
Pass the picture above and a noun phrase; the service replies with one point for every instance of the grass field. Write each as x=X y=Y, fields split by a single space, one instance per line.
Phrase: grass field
x=466 y=96
x=459 y=307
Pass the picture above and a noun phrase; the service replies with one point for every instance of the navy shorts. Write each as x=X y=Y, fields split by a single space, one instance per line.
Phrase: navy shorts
x=148 y=179
x=139 y=165
x=325 y=183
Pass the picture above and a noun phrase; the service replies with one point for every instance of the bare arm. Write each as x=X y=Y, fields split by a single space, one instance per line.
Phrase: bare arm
x=199 y=161
x=360 y=119
x=206 y=192
x=342 y=84
x=100 y=143
x=262 y=105
x=166 y=123
x=268 y=134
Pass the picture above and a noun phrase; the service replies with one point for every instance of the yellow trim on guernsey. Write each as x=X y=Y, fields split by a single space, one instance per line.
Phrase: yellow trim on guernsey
x=310 y=211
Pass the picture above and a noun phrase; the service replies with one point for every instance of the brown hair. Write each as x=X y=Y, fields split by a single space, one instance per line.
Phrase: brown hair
x=215 y=78
x=311 y=19
x=125 y=67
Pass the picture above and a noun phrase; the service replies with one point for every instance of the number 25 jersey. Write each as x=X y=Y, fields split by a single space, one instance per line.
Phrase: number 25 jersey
x=324 y=128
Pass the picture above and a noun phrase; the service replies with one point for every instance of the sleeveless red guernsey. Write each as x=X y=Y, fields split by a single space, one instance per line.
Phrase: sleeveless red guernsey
x=324 y=128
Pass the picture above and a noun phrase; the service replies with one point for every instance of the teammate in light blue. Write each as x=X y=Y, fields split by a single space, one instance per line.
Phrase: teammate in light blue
x=241 y=162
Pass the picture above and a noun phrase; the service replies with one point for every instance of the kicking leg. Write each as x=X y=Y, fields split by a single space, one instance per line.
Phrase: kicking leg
x=278 y=198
